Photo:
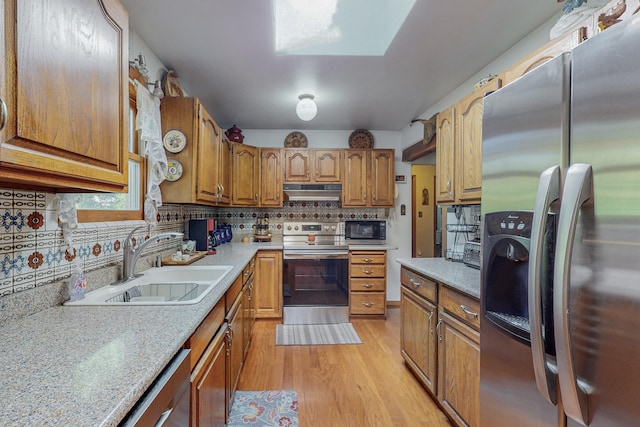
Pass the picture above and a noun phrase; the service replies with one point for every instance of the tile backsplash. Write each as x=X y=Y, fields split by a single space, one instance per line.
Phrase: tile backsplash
x=34 y=258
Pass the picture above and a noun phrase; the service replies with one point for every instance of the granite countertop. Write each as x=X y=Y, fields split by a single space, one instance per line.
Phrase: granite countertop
x=456 y=275
x=88 y=365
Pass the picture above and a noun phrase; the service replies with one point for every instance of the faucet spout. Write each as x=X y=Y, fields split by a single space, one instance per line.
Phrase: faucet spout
x=131 y=254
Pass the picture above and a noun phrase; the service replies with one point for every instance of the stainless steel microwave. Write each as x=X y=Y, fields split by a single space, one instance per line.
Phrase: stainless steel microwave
x=365 y=232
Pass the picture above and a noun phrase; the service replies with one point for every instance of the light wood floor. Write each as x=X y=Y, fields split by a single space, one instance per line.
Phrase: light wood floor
x=343 y=385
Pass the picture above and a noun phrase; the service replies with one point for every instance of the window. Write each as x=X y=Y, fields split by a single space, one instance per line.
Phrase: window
x=93 y=207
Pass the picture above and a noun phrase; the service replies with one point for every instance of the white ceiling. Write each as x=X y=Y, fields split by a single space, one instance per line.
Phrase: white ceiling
x=223 y=53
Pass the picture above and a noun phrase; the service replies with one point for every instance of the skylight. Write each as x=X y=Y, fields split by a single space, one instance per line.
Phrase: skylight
x=337 y=27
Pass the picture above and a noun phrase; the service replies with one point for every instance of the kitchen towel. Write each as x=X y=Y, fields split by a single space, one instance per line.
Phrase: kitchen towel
x=333 y=333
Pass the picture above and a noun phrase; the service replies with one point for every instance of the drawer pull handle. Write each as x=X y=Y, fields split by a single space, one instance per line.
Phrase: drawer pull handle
x=438 y=332
x=367 y=272
x=367 y=259
x=368 y=304
x=368 y=285
x=3 y=113
x=414 y=283
x=468 y=312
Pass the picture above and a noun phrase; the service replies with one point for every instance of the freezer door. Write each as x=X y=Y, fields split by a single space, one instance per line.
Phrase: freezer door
x=524 y=132
x=600 y=259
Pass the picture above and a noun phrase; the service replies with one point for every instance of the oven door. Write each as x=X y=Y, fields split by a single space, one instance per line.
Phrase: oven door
x=315 y=278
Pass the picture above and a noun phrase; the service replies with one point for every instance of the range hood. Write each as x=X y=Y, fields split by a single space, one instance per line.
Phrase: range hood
x=313 y=192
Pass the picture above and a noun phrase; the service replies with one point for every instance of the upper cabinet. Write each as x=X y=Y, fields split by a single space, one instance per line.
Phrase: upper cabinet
x=546 y=52
x=203 y=166
x=246 y=163
x=368 y=178
x=312 y=165
x=64 y=98
x=271 y=177
x=459 y=149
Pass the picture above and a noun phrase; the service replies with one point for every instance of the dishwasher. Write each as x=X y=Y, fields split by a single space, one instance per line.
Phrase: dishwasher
x=167 y=401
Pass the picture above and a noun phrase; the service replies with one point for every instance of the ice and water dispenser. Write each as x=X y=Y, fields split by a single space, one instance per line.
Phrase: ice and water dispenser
x=506 y=243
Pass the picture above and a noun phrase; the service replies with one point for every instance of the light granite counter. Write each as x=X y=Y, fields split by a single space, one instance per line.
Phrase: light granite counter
x=88 y=365
x=453 y=274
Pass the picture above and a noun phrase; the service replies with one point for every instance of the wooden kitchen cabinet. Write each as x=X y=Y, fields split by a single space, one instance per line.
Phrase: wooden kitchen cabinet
x=235 y=348
x=546 y=52
x=248 y=305
x=271 y=177
x=64 y=97
x=205 y=159
x=268 y=284
x=459 y=357
x=208 y=385
x=369 y=178
x=312 y=165
x=367 y=283
x=459 y=149
x=246 y=175
x=419 y=314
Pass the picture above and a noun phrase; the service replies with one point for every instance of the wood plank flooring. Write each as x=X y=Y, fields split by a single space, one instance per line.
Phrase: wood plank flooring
x=343 y=385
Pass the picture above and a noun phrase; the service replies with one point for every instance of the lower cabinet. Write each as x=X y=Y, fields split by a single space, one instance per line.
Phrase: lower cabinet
x=208 y=385
x=367 y=283
x=218 y=349
x=268 y=284
x=440 y=343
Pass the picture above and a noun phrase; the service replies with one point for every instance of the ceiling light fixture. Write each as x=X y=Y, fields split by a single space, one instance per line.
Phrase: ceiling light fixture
x=306 y=108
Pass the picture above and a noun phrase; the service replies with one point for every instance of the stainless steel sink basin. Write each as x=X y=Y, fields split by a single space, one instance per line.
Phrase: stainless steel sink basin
x=173 y=285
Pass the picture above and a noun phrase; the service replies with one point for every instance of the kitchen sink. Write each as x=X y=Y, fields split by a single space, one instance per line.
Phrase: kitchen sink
x=172 y=285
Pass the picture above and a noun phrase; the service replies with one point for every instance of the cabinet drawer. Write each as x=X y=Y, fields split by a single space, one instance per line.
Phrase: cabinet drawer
x=365 y=270
x=233 y=292
x=368 y=285
x=203 y=334
x=368 y=257
x=367 y=303
x=462 y=306
x=419 y=284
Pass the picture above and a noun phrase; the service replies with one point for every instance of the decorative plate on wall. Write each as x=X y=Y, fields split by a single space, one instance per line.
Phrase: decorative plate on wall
x=174 y=171
x=295 y=140
x=361 y=138
x=174 y=141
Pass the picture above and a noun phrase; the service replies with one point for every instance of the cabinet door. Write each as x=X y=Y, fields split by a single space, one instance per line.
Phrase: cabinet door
x=208 y=157
x=208 y=395
x=417 y=336
x=327 y=165
x=245 y=175
x=64 y=82
x=382 y=182
x=235 y=349
x=459 y=370
x=445 y=156
x=297 y=165
x=271 y=177
x=268 y=284
x=468 y=168
x=354 y=187
x=545 y=53
x=224 y=171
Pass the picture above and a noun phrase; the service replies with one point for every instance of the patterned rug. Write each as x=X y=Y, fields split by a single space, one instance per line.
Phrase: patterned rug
x=330 y=333
x=264 y=408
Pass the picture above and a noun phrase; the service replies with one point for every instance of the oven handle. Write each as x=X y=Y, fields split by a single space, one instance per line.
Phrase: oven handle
x=316 y=255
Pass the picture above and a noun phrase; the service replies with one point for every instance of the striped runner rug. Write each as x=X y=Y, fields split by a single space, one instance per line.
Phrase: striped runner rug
x=331 y=333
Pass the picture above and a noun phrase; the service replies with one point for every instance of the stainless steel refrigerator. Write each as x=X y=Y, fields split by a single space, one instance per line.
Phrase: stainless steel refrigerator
x=560 y=292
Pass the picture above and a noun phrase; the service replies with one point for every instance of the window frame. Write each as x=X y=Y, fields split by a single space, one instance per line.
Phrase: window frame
x=102 y=215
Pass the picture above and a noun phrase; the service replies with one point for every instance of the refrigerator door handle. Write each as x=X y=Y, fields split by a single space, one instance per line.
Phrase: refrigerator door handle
x=578 y=189
x=548 y=192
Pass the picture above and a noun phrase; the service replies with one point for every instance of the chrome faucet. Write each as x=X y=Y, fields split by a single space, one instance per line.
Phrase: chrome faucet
x=132 y=255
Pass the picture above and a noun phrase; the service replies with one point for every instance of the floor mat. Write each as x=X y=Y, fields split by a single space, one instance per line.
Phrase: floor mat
x=332 y=333
x=264 y=408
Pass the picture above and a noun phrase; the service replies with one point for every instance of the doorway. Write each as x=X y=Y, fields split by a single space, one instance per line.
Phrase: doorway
x=424 y=221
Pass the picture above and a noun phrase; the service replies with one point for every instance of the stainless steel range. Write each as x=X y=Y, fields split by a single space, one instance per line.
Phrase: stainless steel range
x=315 y=273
